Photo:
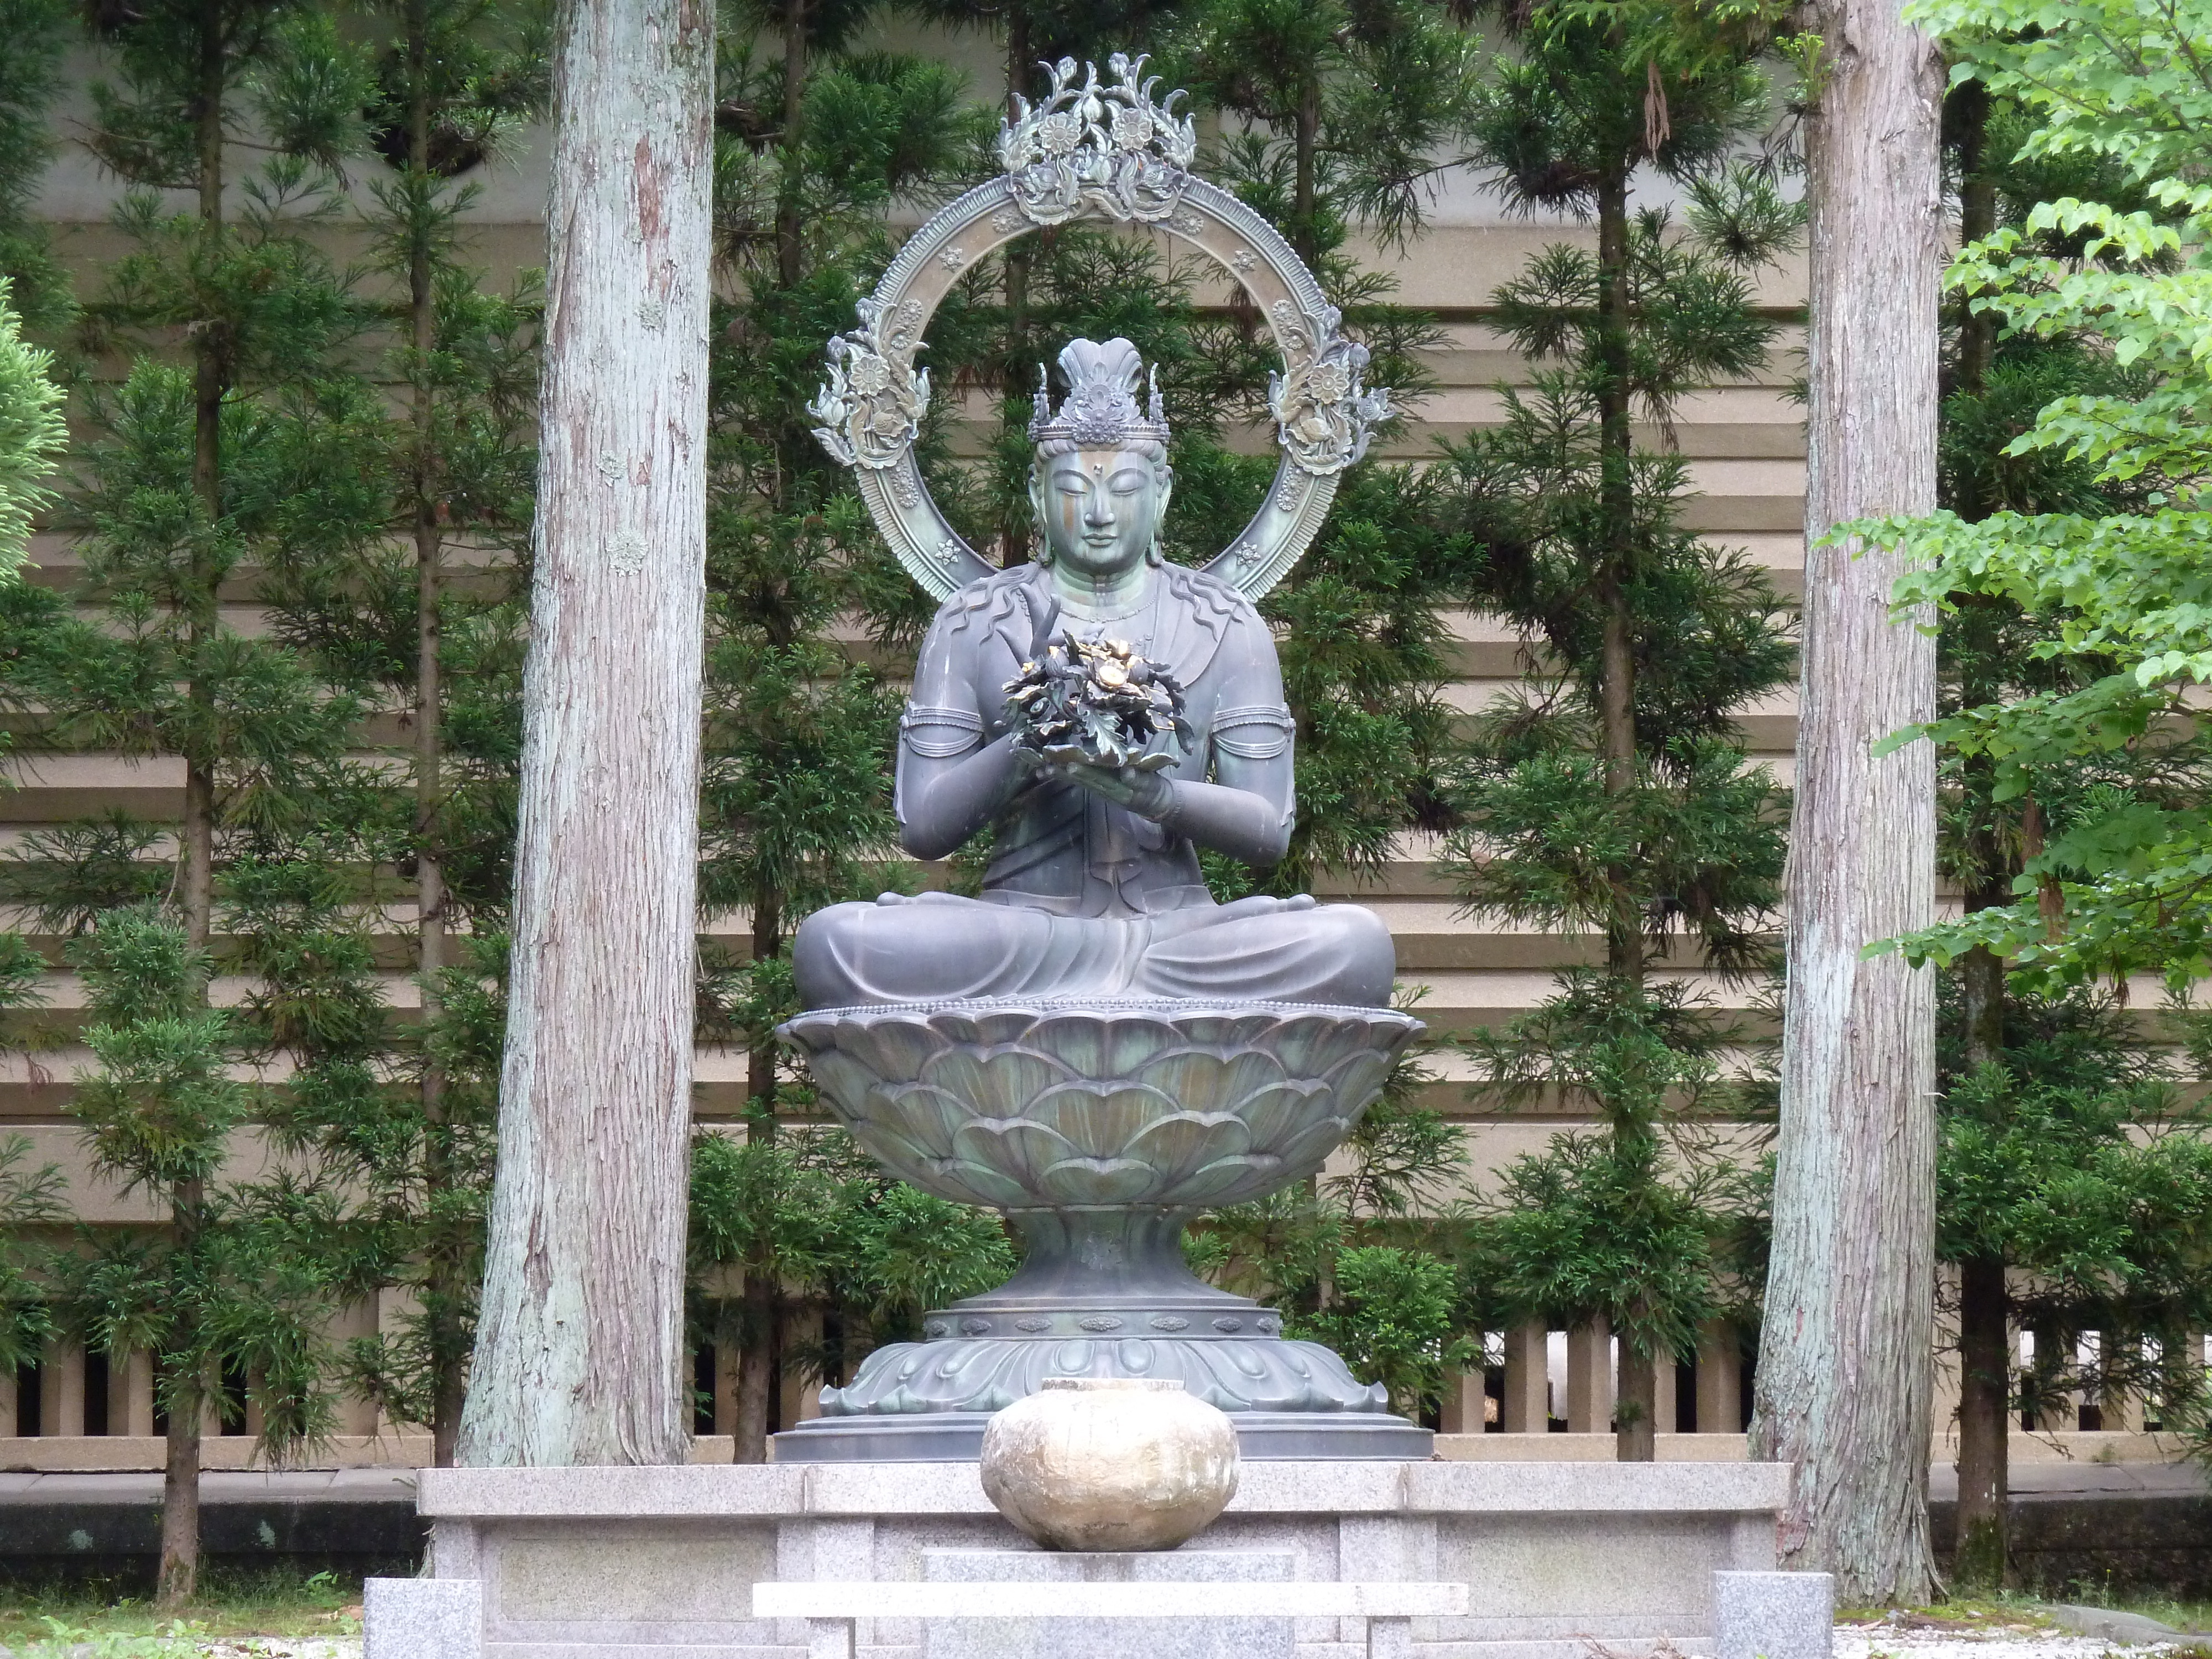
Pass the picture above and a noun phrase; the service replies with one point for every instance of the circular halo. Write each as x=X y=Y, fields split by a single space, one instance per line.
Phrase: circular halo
x=1104 y=153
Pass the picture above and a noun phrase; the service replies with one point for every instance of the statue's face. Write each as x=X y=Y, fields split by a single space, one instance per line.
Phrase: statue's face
x=1099 y=507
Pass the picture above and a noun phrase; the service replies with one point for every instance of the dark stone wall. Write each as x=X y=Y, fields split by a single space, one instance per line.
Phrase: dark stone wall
x=120 y=1543
x=2077 y=1548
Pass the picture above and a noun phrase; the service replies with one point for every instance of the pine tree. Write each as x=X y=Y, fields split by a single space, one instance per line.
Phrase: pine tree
x=1345 y=115
x=452 y=471
x=225 y=1289
x=1369 y=1260
x=813 y=143
x=1343 y=118
x=2017 y=1097
x=856 y=1258
x=1614 y=798
x=199 y=477
x=2074 y=1196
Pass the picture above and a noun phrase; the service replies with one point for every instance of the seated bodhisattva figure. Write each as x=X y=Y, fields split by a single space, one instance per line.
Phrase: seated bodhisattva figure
x=1093 y=888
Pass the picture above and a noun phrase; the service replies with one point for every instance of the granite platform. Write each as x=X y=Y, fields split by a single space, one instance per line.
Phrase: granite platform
x=662 y=1563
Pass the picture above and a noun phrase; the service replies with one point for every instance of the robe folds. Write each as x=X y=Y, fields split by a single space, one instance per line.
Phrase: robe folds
x=1083 y=897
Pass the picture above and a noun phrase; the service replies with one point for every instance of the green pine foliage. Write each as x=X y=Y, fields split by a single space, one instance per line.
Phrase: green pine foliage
x=36 y=33
x=1333 y=118
x=410 y=601
x=1345 y=114
x=224 y=1289
x=1368 y=1260
x=2073 y=1160
x=1612 y=797
x=32 y=1197
x=857 y=1257
x=204 y=478
x=815 y=141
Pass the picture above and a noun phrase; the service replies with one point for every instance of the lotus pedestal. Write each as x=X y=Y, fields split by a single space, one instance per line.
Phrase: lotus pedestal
x=1099 y=1130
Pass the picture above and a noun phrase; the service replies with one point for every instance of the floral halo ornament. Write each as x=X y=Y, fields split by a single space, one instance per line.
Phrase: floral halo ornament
x=1106 y=152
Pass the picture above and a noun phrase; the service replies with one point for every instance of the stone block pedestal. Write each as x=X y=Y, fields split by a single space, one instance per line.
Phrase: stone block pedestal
x=1774 y=1615
x=1246 y=1638
x=662 y=1563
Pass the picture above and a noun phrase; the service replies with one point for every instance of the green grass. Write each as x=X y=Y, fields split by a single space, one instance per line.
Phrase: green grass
x=1979 y=1612
x=36 y=1622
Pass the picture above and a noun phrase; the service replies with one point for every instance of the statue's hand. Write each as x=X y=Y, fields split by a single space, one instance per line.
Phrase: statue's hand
x=1144 y=792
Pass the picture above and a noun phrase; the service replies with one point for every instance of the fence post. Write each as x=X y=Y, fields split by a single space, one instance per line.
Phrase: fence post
x=1720 y=1379
x=2119 y=1407
x=136 y=1371
x=1461 y=1411
x=61 y=1389
x=1589 y=1377
x=1528 y=1379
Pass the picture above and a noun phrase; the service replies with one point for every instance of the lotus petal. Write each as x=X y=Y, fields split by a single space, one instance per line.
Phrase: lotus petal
x=1357 y=1078
x=895 y=1046
x=1306 y=1153
x=998 y=1083
x=1021 y=1149
x=1206 y=1081
x=1101 y=1119
x=977 y=1183
x=1178 y=1144
x=929 y=1116
x=1103 y=1045
x=1232 y=1180
x=1098 y=1181
x=841 y=1072
x=1276 y=1115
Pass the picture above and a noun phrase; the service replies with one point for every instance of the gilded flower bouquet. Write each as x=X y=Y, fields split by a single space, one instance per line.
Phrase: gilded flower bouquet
x=1097 y=702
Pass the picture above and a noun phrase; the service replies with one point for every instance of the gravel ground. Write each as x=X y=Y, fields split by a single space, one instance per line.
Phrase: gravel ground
x=234 y=1647
x=2032 y=1645
x=1912 y=1636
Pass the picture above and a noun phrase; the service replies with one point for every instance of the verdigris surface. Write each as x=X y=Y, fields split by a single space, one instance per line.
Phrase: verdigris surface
x=1094 y=1046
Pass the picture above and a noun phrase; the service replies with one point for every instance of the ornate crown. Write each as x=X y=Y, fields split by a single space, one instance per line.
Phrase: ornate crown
x=1101 y=410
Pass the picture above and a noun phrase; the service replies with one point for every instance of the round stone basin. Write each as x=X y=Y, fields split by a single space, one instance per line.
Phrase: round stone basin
x=1164 y=1105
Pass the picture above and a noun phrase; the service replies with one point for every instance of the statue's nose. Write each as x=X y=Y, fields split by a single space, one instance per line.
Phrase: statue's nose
x=1098 y=510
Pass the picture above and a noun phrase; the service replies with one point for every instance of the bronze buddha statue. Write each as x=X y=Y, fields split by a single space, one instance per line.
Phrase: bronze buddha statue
x=1093 y=888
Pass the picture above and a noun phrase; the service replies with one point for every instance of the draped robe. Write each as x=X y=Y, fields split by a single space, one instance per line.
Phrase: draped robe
x=1084 y=898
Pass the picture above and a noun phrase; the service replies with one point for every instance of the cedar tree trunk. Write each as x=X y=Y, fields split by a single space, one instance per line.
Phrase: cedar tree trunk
x=1846 y=1352
x=580 y=1356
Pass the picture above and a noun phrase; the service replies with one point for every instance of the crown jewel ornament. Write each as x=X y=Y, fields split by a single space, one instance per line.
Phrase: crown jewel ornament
x=1100 y=411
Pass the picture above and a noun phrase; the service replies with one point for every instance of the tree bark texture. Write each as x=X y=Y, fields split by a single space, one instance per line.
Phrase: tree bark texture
x=757 y=1368
x=1636 y=1396
x=444 y=1291
x=1845 y=1374
x=1985 y=1421
x=580 y=1357
x=178 y=1576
